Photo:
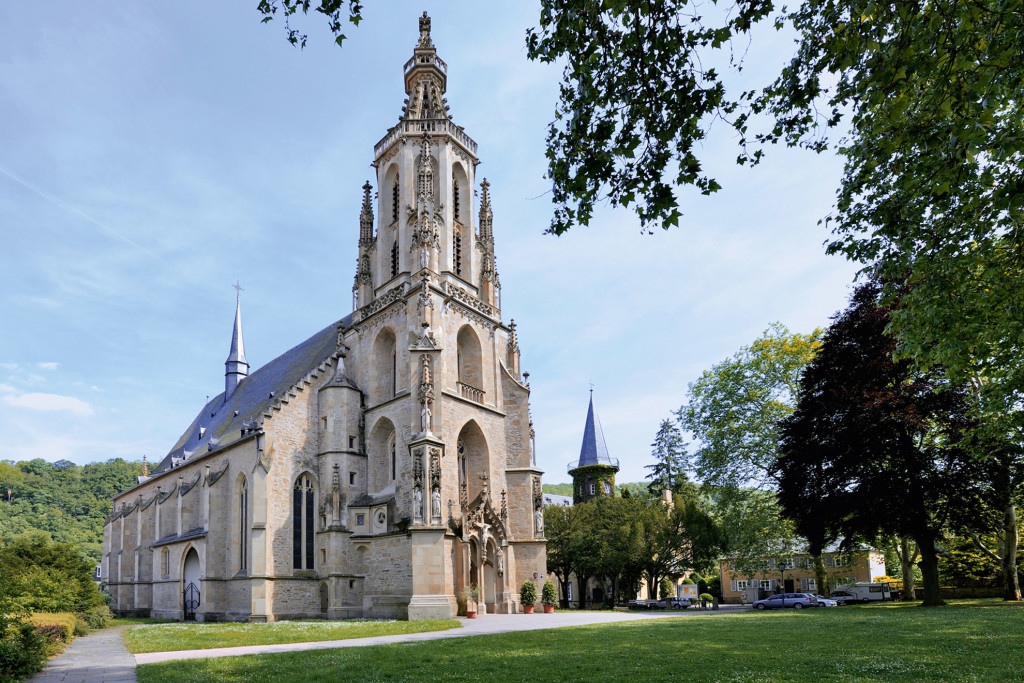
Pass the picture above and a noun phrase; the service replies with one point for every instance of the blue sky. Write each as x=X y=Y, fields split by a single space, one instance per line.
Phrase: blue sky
x=152 y=153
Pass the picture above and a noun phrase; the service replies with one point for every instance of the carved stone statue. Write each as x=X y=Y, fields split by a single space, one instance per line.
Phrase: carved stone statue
x=417 y=503
x=435 y=504
x=539 y=516
x=425 y=416
x=424 y=257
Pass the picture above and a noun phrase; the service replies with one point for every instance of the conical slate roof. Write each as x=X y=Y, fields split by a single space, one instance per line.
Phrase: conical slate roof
x=594 y=451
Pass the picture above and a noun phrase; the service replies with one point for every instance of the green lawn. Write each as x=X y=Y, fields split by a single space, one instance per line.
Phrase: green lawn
x=182 y=636
x=961 y=642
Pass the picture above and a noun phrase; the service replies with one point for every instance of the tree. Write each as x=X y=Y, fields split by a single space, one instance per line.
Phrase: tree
x=334 y=10
x=45 y=576
x=733 y=409
x=873 y=447
x=670 y=459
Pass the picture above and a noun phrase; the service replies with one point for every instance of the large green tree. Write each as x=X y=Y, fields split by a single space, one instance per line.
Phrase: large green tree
x=733 y=408
x=670 y=460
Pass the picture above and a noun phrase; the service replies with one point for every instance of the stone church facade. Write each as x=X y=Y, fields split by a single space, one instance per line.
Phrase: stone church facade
x=380 y=466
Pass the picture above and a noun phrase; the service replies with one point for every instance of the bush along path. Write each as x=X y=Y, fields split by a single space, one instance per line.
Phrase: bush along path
x=100 y=657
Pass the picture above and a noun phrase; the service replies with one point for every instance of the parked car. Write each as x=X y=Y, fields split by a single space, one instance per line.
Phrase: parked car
x=794 y=600
x=844 y=598
x=825 y=602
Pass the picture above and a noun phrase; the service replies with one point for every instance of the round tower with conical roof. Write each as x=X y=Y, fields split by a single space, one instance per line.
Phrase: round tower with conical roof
x=594 y=473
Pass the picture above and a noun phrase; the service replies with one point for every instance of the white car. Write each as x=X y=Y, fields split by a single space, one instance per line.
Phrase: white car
x=826 y=602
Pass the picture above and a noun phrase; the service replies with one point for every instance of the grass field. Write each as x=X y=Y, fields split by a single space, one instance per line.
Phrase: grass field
x=978 y=641
x=182 y=636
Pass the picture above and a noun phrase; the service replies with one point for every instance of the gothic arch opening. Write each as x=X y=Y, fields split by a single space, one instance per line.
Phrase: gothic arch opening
x=391 y=206
x=382 y=451
x=385 y=366
x=473 y=459
x=303 y=522
x=239 y=546
x=470 y=365
x=460 y=195
x=191 y=584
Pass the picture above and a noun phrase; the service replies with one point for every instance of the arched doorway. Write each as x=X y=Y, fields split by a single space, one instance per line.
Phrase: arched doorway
x=191 y=585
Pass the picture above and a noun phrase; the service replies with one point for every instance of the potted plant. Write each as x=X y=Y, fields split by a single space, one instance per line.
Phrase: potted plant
x=548 y=596
x=528 y=596
x=471 y=594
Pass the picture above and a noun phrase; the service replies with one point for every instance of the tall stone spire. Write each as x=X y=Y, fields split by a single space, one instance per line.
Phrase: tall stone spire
x=426 y=78
x=486 y=215
x=236 y=368
x=594 y=473
x=366 y=217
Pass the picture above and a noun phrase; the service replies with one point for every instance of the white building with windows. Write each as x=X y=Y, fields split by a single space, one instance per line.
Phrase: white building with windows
x=384 y=463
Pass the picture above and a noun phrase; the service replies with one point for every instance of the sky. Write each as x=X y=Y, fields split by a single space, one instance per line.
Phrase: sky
x=151 y=154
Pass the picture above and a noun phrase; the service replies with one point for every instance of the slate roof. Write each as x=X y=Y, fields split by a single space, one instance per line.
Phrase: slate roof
x=554 y=499
x=594 y=451
x=221 y=422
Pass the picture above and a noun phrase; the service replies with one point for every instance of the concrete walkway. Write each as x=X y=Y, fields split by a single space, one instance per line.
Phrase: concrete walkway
x=100 y=657
x=483 y=625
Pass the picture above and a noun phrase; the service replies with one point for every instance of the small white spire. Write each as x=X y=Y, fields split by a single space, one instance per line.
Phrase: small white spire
x=236 y=368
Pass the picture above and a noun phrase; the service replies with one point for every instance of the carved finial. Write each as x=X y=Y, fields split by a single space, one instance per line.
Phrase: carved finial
x=486 y=215
x=513 y=340
x=425 y=32
x=366 y=217
x=145 y=467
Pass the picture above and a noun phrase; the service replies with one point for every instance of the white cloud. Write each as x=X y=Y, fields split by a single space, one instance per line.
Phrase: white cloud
x=48 y=403
x=9 y=366
x=48 y=366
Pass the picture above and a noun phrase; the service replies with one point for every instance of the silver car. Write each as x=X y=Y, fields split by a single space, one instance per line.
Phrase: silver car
x=794 y=600
x=825 y=602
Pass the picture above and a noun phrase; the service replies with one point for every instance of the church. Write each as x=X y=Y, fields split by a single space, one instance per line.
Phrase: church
x=380 y=467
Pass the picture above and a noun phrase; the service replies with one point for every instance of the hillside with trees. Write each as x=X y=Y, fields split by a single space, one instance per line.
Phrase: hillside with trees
x=68 y=501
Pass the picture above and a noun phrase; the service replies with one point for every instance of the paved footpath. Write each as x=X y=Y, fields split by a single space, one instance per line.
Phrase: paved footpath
x=100 y=657
x=482 y=625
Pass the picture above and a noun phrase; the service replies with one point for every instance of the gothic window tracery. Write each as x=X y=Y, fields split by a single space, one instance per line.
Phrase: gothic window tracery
x=394 y=201
x=462 y=462
x=393 y=455
x=243 y=515
x=302 y=523
x=394 y=258
x=455 y=197
x=457 y=249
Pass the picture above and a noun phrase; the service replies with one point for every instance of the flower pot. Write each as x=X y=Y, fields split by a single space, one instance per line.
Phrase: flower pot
x=527 y=609
x=548 y=609
x=471 y=615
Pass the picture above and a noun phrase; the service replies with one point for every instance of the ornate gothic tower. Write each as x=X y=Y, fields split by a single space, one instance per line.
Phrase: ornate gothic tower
x=447 y=432
x=593 y=474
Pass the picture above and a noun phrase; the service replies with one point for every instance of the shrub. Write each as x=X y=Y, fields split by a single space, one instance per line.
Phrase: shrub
x=22 y=652
x=528 y=593
x=666 y=589
x=98 y=616
x=81 y=627
x=548 y=594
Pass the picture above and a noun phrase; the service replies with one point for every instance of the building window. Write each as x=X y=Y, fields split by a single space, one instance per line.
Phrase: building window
x=360 y=520
x=351 y=478
x=243 y=518
x=394 y=201
x=394 y=373
x=302 y=523
x=455 y=197
x=394 y=258
x=351 y=442
x=568 y=591
x=741 y=584
x=457 y=250
x=767 y=584
x=809 y=584
x=592 y=488
x=393 y=452
x=461 y=450
x=165 y=562
x=607 y=489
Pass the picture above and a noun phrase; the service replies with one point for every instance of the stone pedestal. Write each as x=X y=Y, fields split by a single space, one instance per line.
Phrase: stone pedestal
x=430 y=599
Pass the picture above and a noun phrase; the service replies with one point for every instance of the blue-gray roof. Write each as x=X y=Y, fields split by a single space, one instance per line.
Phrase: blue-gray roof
x=221 y=422
x=594 y=451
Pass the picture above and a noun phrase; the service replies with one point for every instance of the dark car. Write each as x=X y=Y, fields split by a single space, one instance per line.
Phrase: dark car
x=844 y=598
x=794 y=600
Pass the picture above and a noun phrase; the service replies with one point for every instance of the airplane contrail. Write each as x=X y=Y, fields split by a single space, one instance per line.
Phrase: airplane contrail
x=110 y=232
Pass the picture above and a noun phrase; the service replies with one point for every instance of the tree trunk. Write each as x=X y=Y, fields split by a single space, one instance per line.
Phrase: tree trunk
x=563 y=583
x=907 y=557
x=583 y=590
x=1011 y=537
x=929 y=572
x=819 y=575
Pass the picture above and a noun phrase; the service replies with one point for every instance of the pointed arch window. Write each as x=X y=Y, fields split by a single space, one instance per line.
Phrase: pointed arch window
x=393 y=454
x=394 y=258
x=455 y=197
x=457 y=249
x=394 y=201
x=461 y=449
x=394 y=373
x=302 y=523
x=243 y=519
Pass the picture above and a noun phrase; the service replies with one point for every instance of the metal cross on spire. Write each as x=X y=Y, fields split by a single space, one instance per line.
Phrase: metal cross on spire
x=238 y=289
